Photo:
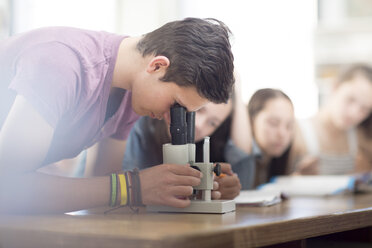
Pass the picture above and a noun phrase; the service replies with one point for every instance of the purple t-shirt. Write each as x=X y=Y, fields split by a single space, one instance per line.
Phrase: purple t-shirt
x=66 y=74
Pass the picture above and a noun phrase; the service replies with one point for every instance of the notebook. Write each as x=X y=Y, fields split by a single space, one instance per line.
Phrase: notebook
x=258 y=198
x=320 y=185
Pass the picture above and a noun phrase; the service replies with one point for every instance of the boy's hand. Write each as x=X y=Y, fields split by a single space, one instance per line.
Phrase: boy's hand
x=168 y=184
x=229 y=183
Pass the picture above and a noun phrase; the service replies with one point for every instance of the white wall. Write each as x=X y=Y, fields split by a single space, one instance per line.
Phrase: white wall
x=137 y=17
x=88 y=14
x=4 y=19
x=273 y=44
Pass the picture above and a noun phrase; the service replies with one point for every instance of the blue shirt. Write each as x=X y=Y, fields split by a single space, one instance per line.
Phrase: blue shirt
x=243 y=164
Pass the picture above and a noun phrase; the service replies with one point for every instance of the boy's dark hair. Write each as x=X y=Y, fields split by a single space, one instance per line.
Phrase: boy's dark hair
x=200 y=55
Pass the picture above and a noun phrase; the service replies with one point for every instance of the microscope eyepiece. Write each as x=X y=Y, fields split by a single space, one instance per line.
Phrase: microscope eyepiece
x=190 y=119
x=178 y=125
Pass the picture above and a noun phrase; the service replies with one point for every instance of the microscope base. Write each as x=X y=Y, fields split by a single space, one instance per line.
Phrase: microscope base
x=198 y=206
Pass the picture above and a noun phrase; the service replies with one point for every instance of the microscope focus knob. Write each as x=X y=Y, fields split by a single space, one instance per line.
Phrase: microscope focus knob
x=217 y=169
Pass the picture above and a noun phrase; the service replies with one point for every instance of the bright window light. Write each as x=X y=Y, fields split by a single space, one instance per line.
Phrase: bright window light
x=88 y=14
x=273 y=45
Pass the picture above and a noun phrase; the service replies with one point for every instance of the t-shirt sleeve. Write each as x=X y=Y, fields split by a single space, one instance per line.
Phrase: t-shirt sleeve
x=46 y=75
x=123 y=131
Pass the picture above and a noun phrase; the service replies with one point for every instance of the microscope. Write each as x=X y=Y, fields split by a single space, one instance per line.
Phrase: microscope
x=182 y=151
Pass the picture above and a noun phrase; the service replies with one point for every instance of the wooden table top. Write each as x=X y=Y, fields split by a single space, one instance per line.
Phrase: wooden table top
x=293 y=219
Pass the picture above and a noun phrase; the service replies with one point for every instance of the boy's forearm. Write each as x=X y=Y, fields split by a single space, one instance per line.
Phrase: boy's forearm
x=40 y=193
x=105 y=157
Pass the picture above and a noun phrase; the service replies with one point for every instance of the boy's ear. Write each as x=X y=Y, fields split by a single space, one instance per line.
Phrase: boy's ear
x=158 y=63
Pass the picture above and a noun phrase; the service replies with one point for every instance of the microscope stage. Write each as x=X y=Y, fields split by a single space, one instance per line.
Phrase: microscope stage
x=198 y=206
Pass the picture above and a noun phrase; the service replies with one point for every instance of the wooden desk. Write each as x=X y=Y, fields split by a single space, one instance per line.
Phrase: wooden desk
x=294 y=219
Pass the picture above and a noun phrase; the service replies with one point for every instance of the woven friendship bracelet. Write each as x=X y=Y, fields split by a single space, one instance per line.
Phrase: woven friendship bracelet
x=123 y=190
x=113 y=190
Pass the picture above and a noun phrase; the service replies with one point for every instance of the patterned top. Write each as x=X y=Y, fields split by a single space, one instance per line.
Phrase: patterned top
x=330 y=164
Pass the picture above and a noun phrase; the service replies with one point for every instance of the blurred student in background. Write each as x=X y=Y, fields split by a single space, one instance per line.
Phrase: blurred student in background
x=224 y=123
x=329 y=143
x=272 y=118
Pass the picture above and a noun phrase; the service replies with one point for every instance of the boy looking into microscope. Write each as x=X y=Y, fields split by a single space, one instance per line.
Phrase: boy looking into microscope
x=78 y=89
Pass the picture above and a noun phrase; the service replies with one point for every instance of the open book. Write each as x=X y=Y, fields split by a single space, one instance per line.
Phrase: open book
x=258 y=198
x=321 y=185
x=363 y=182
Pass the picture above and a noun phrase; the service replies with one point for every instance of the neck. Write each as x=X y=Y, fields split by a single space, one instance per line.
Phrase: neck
x=265 y=158
x=127 y=64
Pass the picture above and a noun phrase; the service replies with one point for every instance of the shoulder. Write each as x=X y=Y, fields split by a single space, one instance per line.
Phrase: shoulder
x=234 y=155
x=47 y=75
x=51 y=57
x=51 y=63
